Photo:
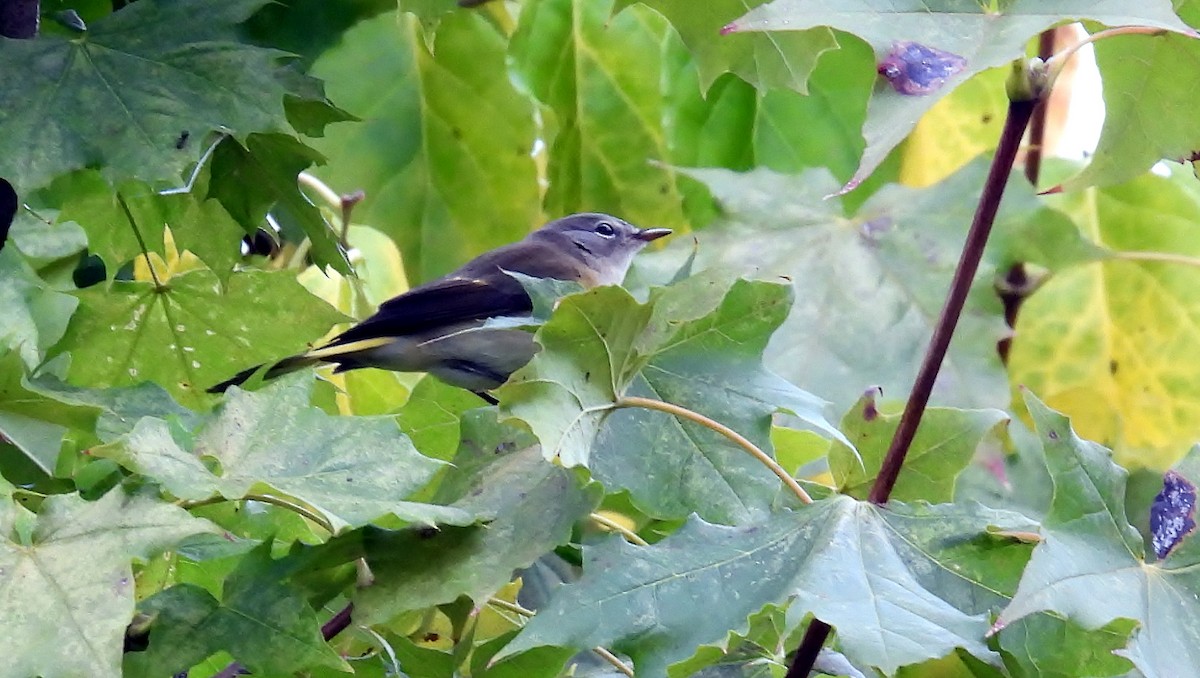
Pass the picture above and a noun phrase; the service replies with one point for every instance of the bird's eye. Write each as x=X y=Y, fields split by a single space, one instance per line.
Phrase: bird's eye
x=605 y=229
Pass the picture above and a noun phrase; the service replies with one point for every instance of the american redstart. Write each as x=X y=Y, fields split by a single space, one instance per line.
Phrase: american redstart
x=439 y=327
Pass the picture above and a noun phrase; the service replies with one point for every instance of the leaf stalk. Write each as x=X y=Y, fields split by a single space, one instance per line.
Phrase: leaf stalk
x=630 y=536
x=266 y=499
x=733 y=436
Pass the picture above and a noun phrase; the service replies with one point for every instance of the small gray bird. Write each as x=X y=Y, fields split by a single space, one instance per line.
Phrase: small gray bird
x=435 y=328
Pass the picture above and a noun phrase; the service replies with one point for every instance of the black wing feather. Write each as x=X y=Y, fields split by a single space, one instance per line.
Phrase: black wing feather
x=477 y=291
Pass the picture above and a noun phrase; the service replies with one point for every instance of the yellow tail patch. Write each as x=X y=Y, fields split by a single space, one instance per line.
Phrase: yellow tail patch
x=352 y=347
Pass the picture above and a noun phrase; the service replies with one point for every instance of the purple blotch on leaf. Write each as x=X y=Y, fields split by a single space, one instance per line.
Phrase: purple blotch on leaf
x=913 y=68
x=870 y=410
x=1173 y=514
x=873 y=230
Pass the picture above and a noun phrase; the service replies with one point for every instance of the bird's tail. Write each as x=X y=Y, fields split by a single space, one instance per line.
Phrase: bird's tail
x=285 y=366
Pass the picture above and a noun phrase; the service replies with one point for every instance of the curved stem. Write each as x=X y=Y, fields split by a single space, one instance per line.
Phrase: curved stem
x=265 y=499
x=322 y=189
x=613 y=525
x=1163 y=257
x=614 y=660
x=732 y=435
x=1056 y=63
x=603 y=653
x=510 y=607
x=335 y=201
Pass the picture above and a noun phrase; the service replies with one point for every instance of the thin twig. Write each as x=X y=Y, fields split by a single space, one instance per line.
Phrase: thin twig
x=617 y=527
x=1020 y=110
x=322 y=189
x=733 y=436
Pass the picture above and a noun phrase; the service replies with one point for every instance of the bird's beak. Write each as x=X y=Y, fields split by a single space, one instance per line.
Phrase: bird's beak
x=648 y=234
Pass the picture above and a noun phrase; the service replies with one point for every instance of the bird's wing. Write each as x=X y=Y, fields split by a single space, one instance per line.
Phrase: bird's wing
x=477 y=291
x=444 y=302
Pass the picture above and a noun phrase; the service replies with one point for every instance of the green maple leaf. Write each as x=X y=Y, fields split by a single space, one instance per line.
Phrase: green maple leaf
x=440 y=120
x=123 y=94
x=890 y=580
x=35 y=419
x=944 y=444
x=264 y=622
x=783 y=60
x=534 y=505
x=351 y=470
x=1090 y=547
x=869 y=281
x=35 y=315
x=982 y=37
x=697 y=344
x=600 y=75
x=68 y=583
x=190 y=333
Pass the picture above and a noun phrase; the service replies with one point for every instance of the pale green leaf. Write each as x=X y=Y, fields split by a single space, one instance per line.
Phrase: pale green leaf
x=769 y=61
x=265 y=623
x=69 y=588
x=1150 y=92
x=35 y=315
x=352 y=470
x=190 y=334
x=945 y=443
x=443 y=151
x=601 y=76
x=535 y=504
x=869 y=286
x=35 y=419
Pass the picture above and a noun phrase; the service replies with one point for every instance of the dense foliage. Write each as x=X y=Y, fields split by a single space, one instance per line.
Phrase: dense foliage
x=186 y=173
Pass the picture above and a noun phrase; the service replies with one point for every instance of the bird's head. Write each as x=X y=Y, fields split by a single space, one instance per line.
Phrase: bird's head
x=604 y=243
